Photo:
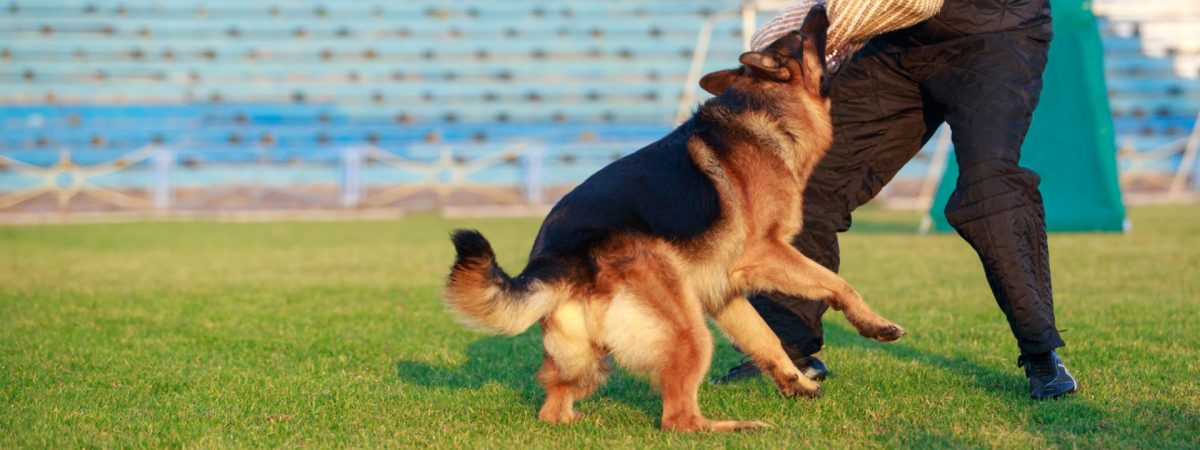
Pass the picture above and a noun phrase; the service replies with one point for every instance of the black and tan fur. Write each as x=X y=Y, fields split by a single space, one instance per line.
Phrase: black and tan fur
x=631 y=262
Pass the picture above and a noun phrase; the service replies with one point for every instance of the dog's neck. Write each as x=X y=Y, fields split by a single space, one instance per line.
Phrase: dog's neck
x=798 y=129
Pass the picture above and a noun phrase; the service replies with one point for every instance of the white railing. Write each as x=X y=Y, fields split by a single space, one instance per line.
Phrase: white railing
x=1143 y=169
x=67 y=181
x=367 y=177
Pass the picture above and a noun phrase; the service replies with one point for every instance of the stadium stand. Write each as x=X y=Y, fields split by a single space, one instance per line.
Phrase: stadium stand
x=223 y=75
x=221 y=81
x=1152 y=59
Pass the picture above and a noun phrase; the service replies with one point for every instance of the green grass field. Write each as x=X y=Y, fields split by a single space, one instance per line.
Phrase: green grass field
x=332 y=334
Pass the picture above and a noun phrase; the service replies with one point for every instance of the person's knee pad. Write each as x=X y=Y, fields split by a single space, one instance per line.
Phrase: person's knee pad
x=991 y=187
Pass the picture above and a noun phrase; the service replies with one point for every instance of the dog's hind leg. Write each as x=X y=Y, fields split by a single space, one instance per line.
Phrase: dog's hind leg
x=784 y=269
x=742 y=324
x=683 y=368
x=572 y=367
x=657 y=327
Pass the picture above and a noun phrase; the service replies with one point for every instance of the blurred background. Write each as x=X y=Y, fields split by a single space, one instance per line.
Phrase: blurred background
x=468 y=107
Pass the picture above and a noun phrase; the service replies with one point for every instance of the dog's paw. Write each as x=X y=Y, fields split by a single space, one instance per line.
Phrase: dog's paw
x=797 y=385
x=560 y=417
x=748 y=425
x=890 y=333
x=737 y=425
x=884 y=331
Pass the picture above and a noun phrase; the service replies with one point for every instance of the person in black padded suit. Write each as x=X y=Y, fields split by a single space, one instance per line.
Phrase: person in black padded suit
x=976 y=65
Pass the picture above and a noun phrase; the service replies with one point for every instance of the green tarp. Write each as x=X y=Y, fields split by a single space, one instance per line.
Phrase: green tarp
x=1070 y=144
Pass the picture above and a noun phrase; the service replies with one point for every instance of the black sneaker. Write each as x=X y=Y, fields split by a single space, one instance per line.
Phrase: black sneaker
x=1048 y=376
x=809 y=366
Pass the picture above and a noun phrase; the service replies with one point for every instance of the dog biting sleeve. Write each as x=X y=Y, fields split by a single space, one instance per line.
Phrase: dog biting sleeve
x=852 y=22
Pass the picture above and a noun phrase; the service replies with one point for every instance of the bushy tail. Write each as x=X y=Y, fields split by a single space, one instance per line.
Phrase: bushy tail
x=482 y=294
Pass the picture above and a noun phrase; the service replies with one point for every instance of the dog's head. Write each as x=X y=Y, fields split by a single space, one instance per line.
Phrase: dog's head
x=795 y=61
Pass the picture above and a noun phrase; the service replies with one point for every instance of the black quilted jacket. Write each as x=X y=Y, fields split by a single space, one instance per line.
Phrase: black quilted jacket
x=960 y=18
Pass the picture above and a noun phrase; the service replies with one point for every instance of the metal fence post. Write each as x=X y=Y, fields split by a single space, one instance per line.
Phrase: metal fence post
x=1196 y=176
x=351 y=186
x=534 y=161
x=161 y=189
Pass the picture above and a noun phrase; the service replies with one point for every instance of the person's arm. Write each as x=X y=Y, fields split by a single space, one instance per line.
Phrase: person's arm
x=851 y=22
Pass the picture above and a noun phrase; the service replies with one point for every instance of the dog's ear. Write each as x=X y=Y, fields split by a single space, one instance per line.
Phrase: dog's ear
x=717 y=82
x=814 y=29
x=767 y=65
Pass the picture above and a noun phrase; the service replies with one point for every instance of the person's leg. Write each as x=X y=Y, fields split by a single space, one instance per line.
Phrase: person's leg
x=991 y=85
x=879 y=123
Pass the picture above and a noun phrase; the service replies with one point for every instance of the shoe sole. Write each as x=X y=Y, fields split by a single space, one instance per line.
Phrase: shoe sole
x=1056 y=396
x=726 y=379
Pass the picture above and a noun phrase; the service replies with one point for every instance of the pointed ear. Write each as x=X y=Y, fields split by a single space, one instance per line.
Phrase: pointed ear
x=815 y=27
x=716 y=83
x=767 y=65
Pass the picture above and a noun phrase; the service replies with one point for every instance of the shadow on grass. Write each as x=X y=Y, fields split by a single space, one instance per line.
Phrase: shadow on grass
x=1071 y=421
x=513 y=362
x=996 y=383
x=508 y=361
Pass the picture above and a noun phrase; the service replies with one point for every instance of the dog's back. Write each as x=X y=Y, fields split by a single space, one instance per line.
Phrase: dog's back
x=656 y=191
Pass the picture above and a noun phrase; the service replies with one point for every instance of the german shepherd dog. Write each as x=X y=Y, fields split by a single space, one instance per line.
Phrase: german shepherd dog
x=630 y=262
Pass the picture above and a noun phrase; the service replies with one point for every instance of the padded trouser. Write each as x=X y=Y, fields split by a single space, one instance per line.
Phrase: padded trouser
x=886 y=105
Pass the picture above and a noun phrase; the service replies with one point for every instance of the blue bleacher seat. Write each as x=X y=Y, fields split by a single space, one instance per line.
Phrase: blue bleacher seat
x=300 y=78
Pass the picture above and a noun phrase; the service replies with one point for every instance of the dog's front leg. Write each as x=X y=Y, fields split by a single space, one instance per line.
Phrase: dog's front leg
x=781 y=268
x=742 y=324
